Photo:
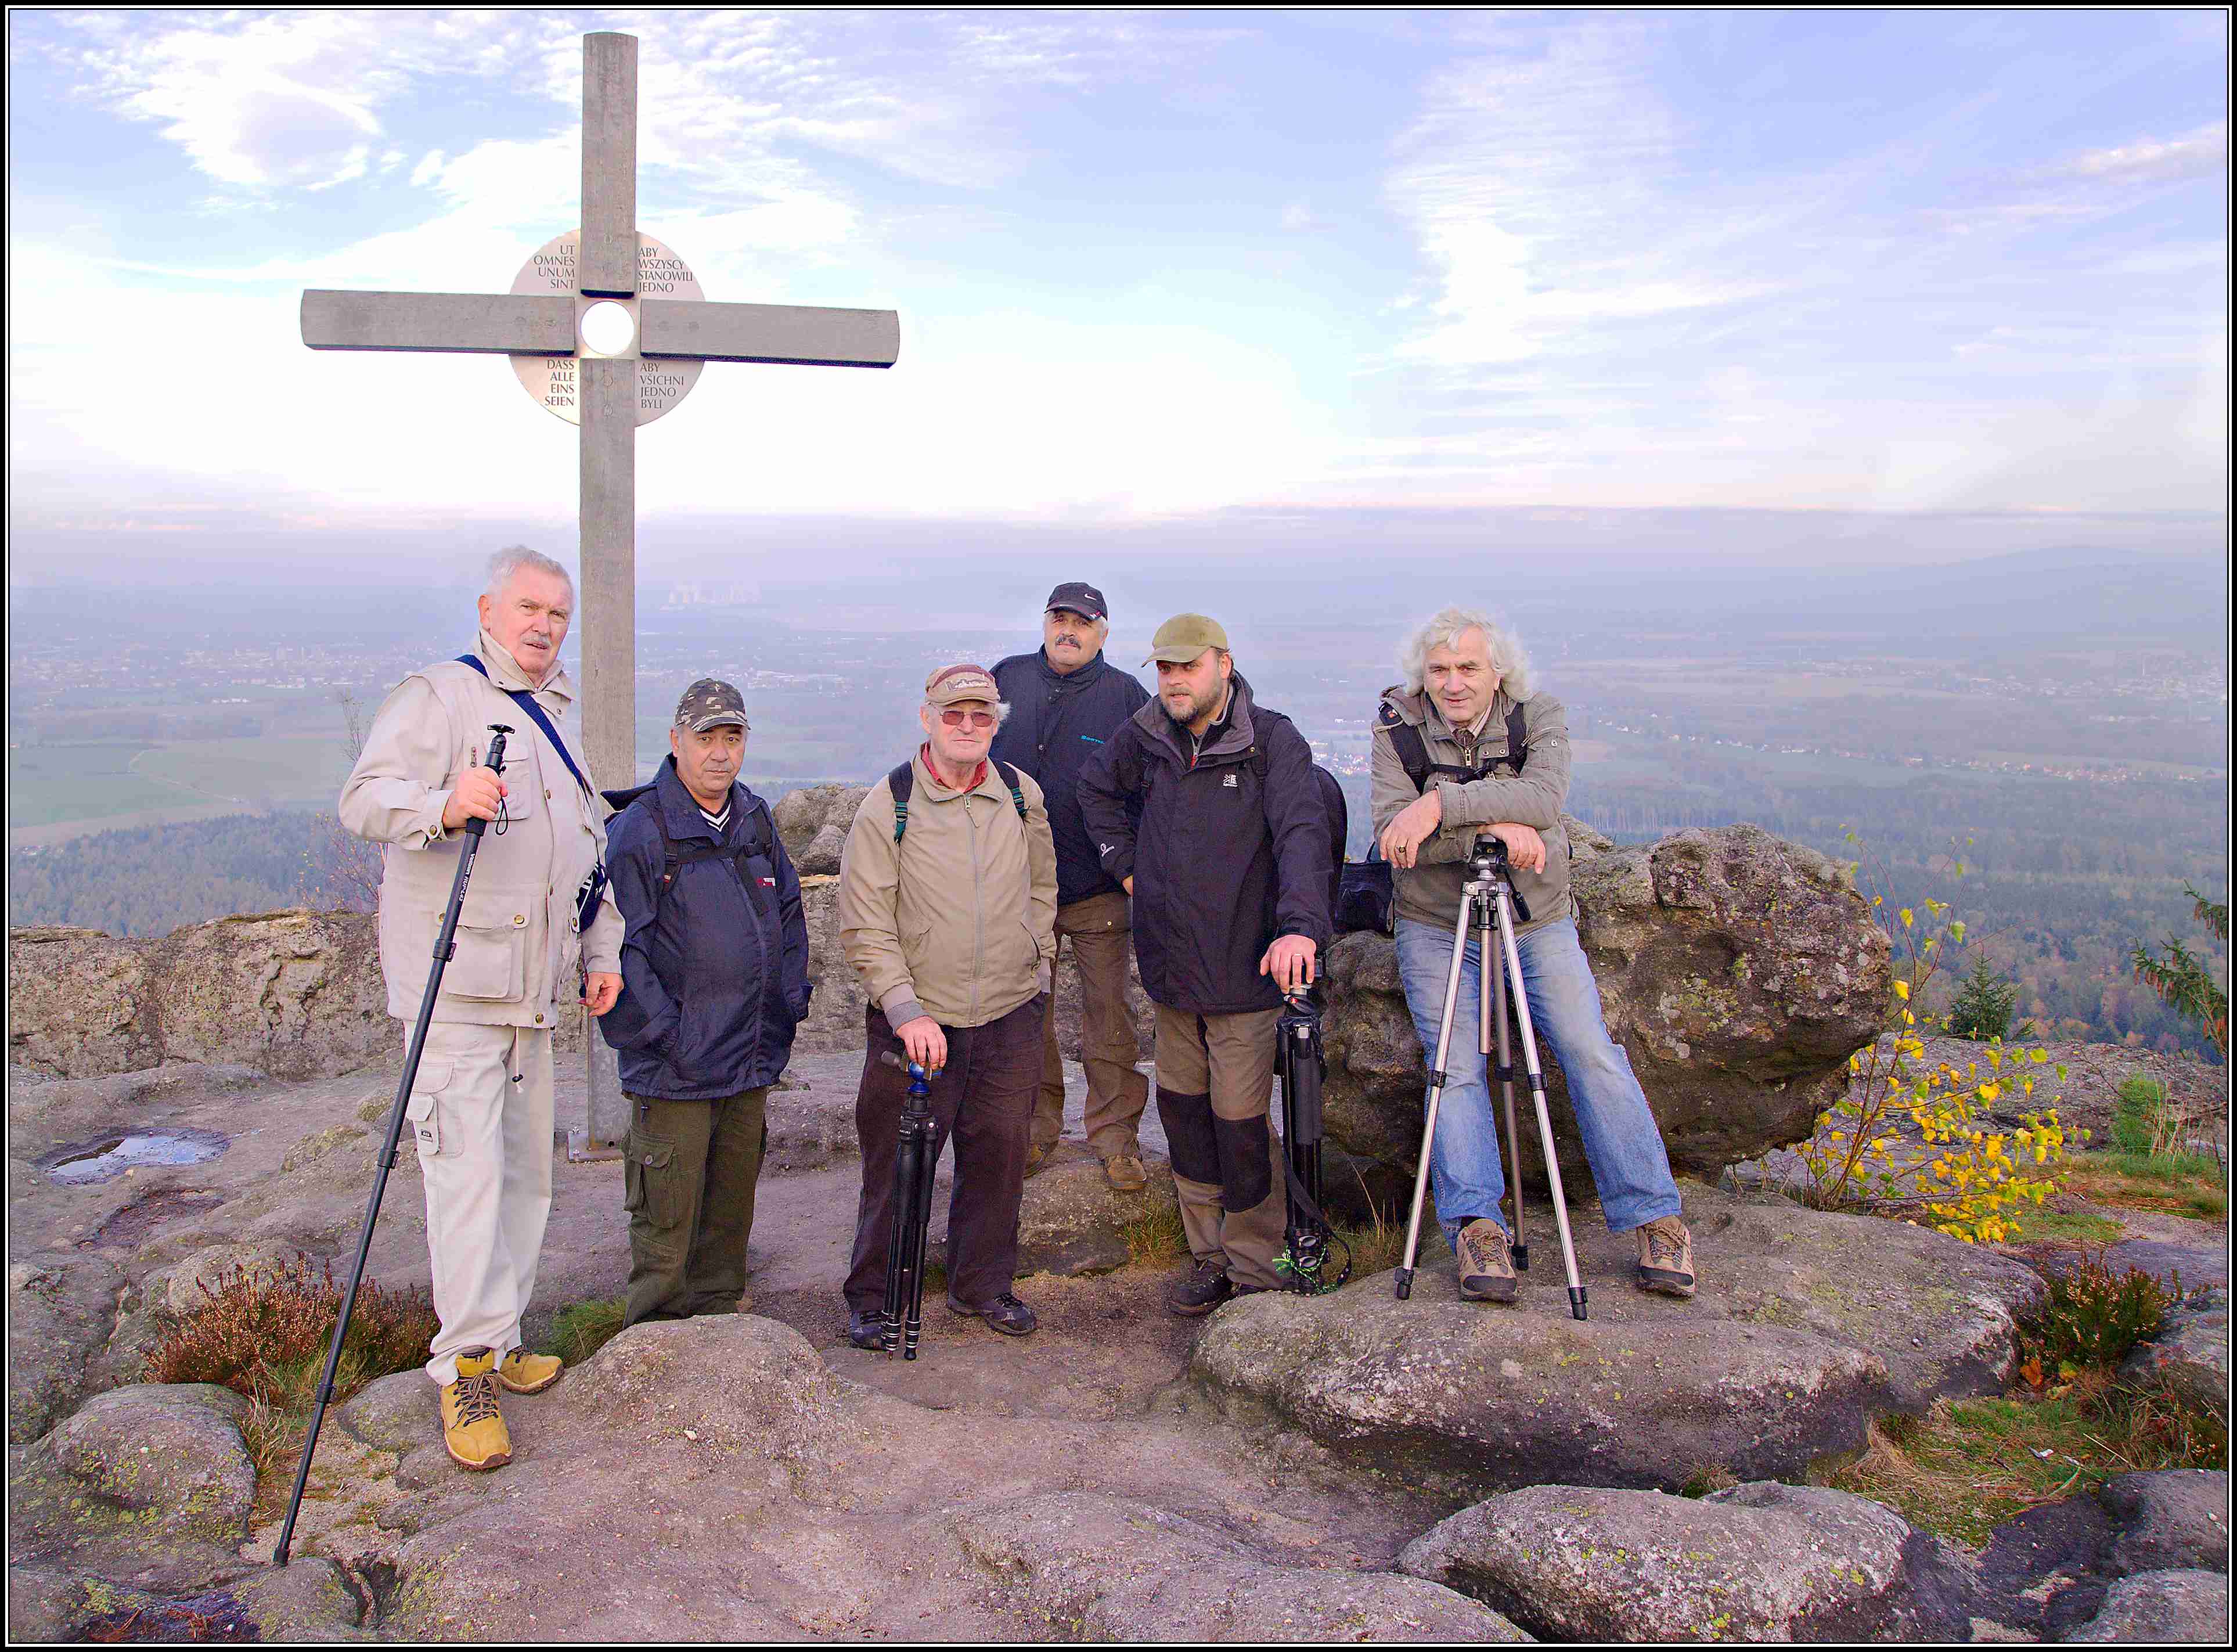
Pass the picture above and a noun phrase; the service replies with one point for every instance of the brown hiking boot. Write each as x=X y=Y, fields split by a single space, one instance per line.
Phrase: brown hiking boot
x=473 y=1429
x=1125 y=1173
x=1037 y=1157
x=1666 y=1258
x=1487 y=1269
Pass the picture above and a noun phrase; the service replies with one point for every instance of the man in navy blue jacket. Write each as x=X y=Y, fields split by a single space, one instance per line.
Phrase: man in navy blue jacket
x=714 y=980
x=1066 y=700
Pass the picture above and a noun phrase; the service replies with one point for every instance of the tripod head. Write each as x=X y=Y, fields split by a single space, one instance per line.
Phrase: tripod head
x=1489 y=872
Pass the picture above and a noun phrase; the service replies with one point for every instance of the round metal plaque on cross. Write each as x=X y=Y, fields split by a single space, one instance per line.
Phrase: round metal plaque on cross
x=605 y=328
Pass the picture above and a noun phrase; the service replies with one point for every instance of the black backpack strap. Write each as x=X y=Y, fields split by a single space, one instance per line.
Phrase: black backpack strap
x=1518 y=739
x=902 y=781
x=1405 y=740
x=1017 y=792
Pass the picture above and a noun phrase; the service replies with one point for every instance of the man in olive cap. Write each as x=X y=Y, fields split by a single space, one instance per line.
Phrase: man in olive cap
x=715 y=980
x=1066 y=702
x=1229 y=869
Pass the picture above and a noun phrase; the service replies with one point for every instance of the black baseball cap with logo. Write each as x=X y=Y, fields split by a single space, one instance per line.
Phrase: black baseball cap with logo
x=1081 y=597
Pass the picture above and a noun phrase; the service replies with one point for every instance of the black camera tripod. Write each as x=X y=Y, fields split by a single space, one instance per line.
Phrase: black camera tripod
x=1301 y=1063
x=916 y=1153
x=1487 y=905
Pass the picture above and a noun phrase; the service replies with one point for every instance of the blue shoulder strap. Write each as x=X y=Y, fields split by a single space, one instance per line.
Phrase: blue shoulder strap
x=526 y=701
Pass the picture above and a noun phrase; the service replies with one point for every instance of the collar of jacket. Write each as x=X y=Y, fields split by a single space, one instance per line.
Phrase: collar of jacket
x=1079 y=678
x=1233 y=742
x=929 y=783
x=680 y=810
x=505 y=673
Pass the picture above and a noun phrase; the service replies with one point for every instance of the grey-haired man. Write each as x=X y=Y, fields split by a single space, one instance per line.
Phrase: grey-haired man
x=480 y=1109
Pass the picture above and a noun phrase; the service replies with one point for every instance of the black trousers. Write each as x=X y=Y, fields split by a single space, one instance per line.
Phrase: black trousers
x=984 y=1099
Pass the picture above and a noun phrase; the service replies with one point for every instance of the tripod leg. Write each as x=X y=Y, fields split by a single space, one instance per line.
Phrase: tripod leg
x=1513 y=958
x=919 y=1232
x=1494 y=974
x=1404 y=1279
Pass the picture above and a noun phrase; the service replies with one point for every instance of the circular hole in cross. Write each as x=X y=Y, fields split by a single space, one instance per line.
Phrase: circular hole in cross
x=608 y=328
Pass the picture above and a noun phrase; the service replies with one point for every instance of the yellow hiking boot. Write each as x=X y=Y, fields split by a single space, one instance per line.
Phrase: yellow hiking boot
x=522 y=1372
x=473 y=1429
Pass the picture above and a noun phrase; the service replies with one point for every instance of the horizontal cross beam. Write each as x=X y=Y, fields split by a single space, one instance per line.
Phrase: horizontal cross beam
x=488 y=323
x=791 y=333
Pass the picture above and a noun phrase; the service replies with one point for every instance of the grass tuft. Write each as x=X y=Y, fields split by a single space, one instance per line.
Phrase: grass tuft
x=1156 y=1235
x=580 y=1329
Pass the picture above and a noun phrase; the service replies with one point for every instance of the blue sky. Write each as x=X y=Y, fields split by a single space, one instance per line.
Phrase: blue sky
x=1154 y=267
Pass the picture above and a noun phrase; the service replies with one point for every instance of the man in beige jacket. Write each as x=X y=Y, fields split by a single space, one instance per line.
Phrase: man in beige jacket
x=480 y=1109
x=947 y=913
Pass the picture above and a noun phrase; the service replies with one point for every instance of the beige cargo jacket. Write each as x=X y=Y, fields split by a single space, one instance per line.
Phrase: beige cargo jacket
x=516 y=961
x=957 y=921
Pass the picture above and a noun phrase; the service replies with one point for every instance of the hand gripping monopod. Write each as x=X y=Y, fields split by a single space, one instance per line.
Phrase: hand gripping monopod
x=445 y=939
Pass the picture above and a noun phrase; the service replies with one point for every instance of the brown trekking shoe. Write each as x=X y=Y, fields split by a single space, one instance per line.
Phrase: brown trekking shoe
x=473 y=1429
x=1487 y=1269
x=1125 y=1173
x=1666 y=1258
x=1037 y=1158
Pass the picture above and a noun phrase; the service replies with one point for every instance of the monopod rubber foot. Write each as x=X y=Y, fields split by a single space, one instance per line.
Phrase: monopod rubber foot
x=1522 y=1258
x=1576 y=1302
x=1404 y=1283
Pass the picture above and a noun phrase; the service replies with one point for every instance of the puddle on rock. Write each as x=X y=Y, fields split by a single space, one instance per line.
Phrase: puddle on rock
x=84 y=1163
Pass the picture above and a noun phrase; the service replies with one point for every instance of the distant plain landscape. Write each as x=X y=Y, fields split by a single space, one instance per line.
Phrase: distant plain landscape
x=2057 y=722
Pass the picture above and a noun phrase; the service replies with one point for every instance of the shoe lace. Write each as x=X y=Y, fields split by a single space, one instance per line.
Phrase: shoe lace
x=1663 y=1244
x=477 y=1399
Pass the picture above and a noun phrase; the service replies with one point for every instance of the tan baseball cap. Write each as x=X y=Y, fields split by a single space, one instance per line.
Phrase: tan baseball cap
x=953 y=683
x=1183 y=637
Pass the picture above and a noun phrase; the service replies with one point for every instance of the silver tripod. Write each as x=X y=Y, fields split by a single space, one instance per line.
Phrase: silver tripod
x=1488 y=904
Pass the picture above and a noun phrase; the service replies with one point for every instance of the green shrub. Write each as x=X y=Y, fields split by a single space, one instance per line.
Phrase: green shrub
x=264 y=1332
x=1982 y=1008
x=2092 y=1316
x=2136 y=1118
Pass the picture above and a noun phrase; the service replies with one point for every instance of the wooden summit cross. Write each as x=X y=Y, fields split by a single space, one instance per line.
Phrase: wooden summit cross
x=587 y=342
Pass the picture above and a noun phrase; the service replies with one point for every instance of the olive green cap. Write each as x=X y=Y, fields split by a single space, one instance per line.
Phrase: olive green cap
x=1184 y=637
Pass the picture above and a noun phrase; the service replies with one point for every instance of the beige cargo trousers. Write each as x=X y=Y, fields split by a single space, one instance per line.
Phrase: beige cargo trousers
x=480 y=1113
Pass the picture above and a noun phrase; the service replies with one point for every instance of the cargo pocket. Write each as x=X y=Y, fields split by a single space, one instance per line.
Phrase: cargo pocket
x=651 y=1187
x=424 y=1111
x=488 y=959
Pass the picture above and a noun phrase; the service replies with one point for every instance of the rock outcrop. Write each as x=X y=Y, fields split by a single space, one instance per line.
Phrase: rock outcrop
x=2189 y=1353
x=1806 y=1324
x=2178 y=1607
x=1737 y=971
x=1761 y=1562
x=2172 y=1519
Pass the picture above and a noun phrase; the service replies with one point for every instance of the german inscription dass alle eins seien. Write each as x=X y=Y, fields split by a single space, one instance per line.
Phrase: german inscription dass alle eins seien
x=550 y=380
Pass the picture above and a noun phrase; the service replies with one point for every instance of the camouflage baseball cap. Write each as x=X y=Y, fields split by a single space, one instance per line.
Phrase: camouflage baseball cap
x=1184 y=637
x=710 y=703
x=953 y=683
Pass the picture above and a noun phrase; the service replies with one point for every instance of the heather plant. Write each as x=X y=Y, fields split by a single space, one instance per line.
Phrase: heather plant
x=2092 y=1316
x=264 y=1332
x=1966 y=1174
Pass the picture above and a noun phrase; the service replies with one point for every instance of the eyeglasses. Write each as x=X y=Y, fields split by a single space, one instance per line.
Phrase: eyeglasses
x=955 y=718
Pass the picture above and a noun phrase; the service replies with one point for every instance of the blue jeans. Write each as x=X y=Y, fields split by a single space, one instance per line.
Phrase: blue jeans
x=1622 y=1143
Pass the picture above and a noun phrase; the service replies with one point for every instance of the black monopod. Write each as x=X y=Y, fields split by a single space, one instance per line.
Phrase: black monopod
x=1301 y=1063
x=444 y=941
x=916 y=1151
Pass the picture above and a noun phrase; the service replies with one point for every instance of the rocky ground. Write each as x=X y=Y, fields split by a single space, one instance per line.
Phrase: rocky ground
x=1288 y=1469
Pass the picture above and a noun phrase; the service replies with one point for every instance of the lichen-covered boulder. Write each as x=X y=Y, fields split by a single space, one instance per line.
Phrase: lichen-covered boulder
x=2168 y=1519
x=1070 y=1221
x=1806 y=1325
x=1739 y=972
x=170 y=1451
x=78 y=1002
x=1761 y=1562
x=61 y=1306
x=1097 y=1568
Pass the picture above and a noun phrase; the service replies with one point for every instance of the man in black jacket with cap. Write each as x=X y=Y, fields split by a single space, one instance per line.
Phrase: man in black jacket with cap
x=1205 y=806
x=1065 y=701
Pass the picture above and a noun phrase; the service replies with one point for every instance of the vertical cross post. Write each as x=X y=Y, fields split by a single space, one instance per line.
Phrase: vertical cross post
x=606 y=261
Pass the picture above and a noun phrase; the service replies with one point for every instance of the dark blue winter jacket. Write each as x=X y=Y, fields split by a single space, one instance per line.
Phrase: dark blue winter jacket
x=1057 y=723
x=713 y=969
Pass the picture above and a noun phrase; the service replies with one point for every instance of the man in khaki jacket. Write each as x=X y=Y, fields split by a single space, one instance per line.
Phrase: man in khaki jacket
x=947 y=913
x=480 y=1108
